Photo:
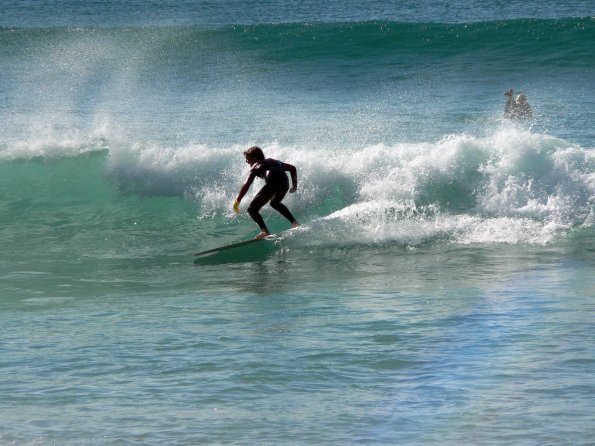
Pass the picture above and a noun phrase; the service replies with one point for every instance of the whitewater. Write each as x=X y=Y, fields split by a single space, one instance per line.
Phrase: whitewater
x=439 y=290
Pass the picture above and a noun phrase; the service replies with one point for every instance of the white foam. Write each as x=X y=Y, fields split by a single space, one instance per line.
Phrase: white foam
x=512 y=186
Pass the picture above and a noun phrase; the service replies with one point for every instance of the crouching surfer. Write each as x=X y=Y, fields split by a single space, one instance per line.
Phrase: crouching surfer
x=276 y=186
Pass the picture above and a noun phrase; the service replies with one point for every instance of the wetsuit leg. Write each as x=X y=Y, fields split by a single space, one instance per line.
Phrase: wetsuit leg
x=262 y=197
x=280 y=207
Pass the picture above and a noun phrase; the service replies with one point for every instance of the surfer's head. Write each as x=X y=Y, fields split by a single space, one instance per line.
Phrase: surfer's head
x=254 y=154
x=521 y=98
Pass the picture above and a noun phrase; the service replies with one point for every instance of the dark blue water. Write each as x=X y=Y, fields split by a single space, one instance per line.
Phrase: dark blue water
x=214 y=13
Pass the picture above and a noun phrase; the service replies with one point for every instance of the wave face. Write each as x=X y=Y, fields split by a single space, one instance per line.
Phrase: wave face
x=390 y=45
x=510 y=187
x=395 y=126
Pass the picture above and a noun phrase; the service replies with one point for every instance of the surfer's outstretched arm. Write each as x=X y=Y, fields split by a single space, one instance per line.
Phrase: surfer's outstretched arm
x=243 y=190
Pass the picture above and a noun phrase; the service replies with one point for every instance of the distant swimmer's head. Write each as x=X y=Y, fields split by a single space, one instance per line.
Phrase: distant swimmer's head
x=254 y=154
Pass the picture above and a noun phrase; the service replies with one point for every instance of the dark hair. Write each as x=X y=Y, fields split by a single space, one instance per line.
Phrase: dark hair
x=254 y=152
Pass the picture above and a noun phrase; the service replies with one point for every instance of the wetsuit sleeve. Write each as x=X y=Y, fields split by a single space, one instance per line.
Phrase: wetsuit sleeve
x=293 y=172
x=246 y=186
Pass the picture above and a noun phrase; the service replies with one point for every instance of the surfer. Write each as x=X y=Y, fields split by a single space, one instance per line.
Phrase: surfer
x=518 y=108
x=276 y=186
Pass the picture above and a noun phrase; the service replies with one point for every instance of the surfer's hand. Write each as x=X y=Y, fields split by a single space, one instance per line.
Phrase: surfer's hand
x=292 y=190
x=236 y=207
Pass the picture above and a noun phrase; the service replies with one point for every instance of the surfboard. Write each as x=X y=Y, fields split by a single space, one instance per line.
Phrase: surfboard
x=231 y=246
x=272 y=237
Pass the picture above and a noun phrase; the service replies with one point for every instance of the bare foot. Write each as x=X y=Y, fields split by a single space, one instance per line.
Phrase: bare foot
x=294 y=225
x=262 y=234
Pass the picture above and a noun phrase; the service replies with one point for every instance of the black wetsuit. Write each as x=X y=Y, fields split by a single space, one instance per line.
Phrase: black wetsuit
x=276 y=185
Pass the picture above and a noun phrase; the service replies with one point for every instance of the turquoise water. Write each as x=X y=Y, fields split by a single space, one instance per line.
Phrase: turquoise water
x=439 y=292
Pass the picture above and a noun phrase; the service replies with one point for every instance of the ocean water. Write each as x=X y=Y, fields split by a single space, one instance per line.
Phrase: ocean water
x=440 y=290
